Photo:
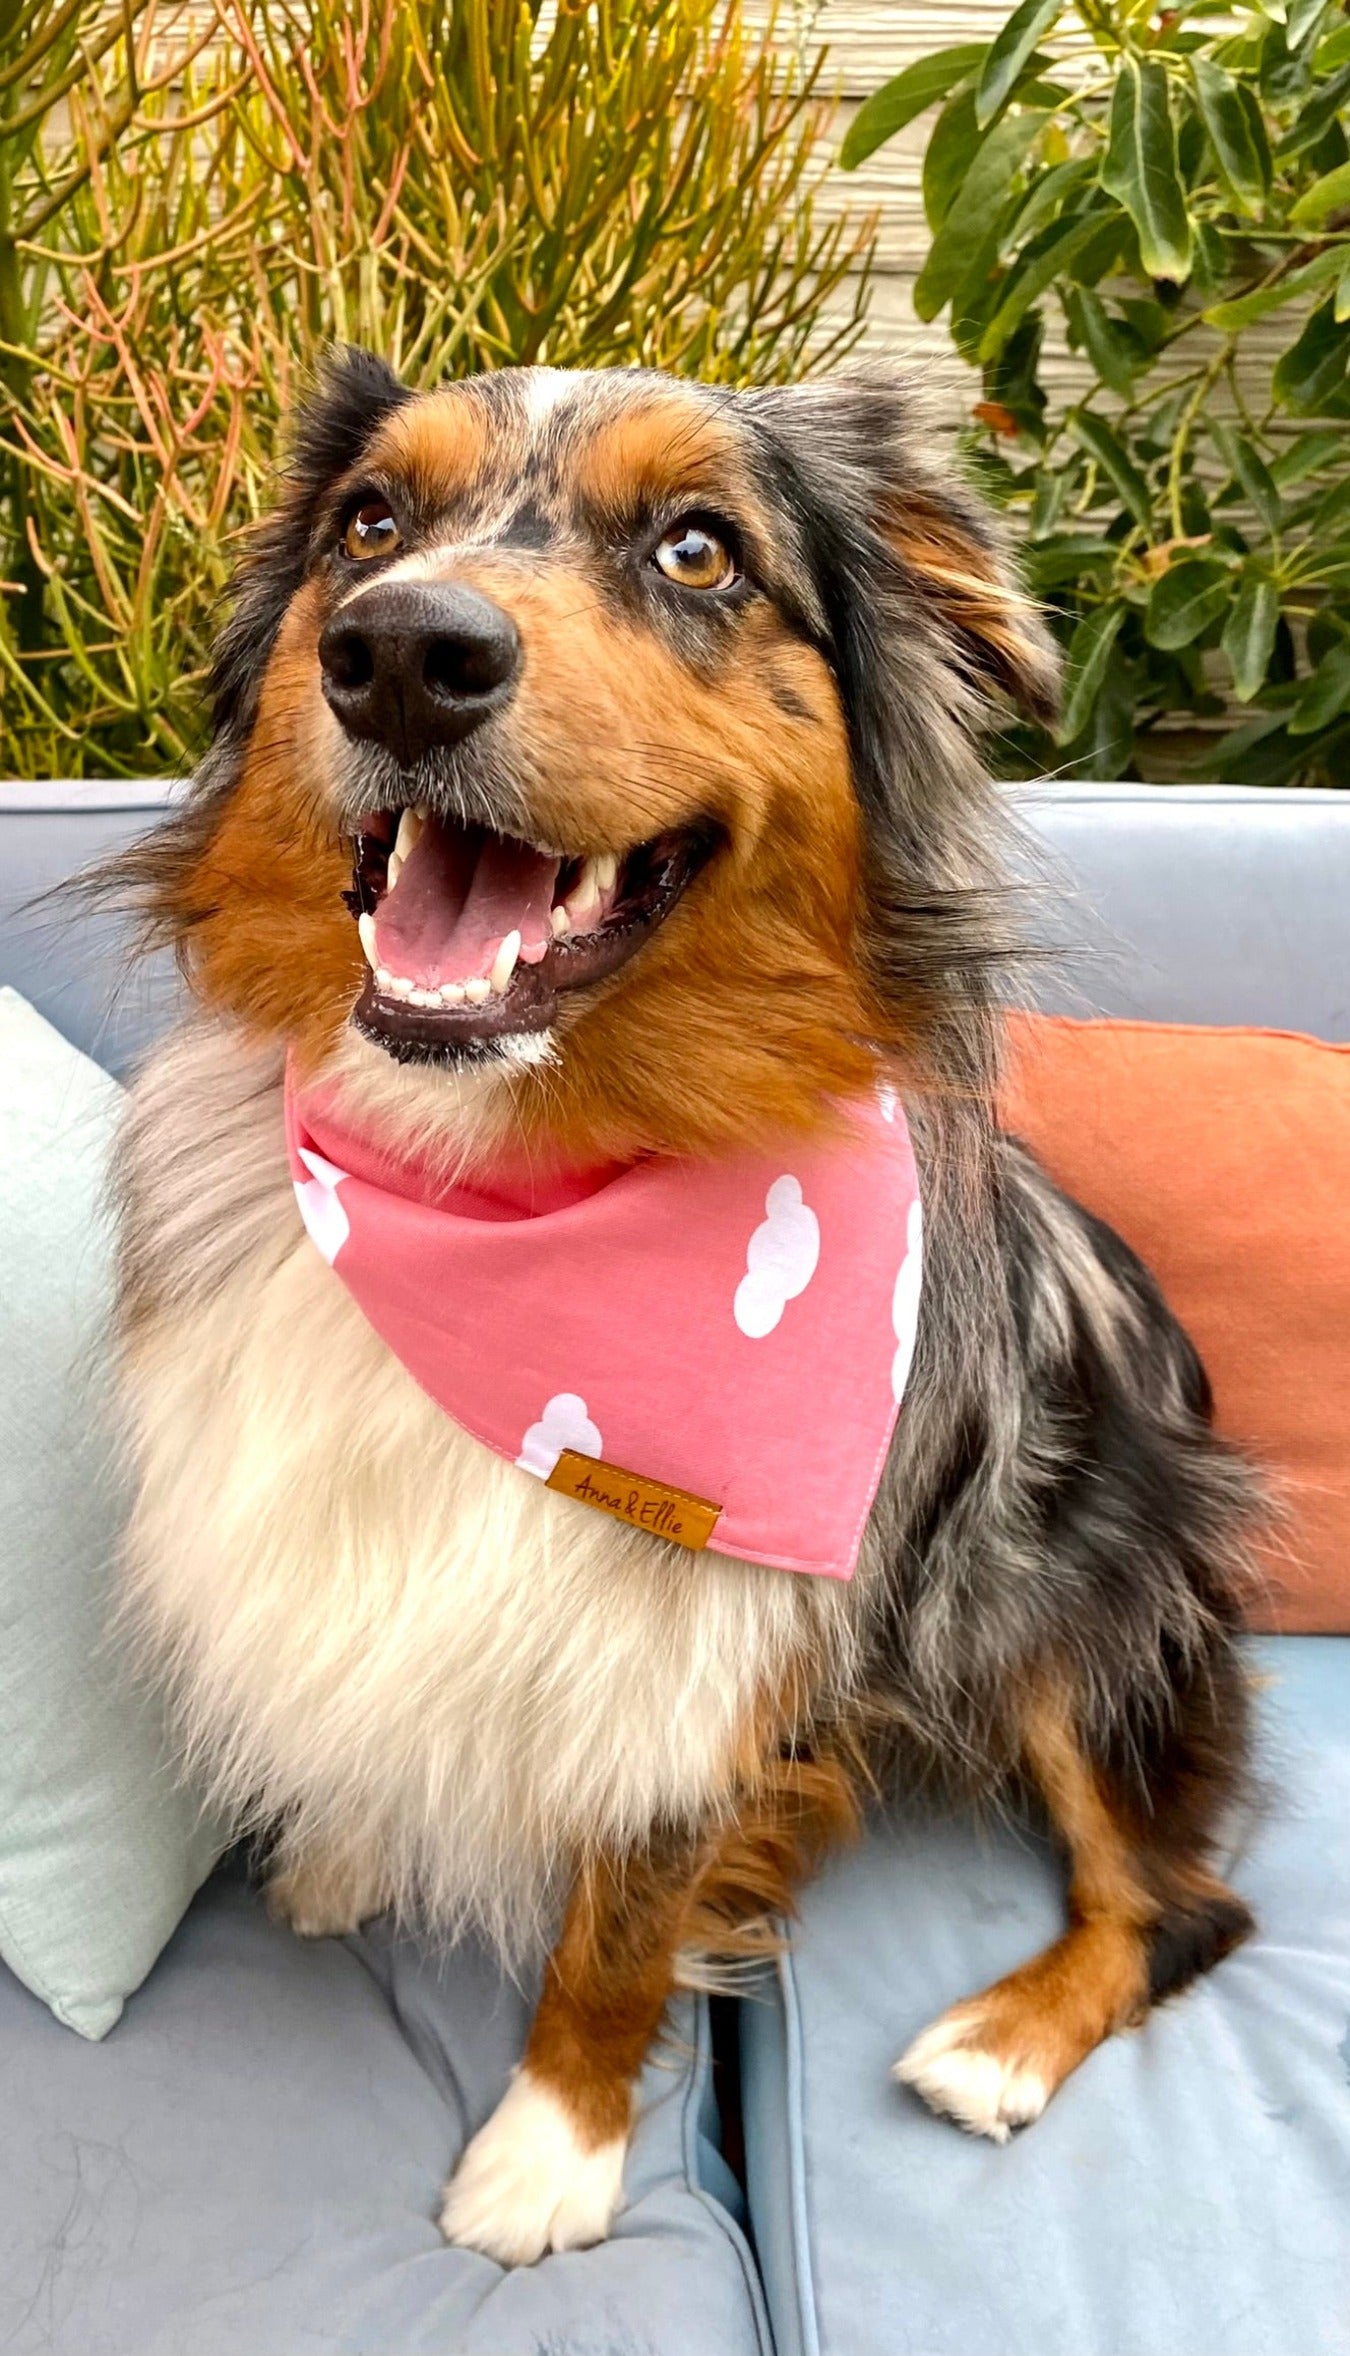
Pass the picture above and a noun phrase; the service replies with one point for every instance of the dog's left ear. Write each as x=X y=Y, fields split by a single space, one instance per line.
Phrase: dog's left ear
x=885 y=514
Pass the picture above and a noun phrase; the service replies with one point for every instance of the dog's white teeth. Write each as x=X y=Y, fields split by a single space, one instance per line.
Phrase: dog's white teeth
x=478 y=991
x=504 y=964
x=410 y=825
x=384 y=978
x=398 y=986
x=452 y=993
x=394 y=865
x=424 y=997
x=365 y=926
x=560 y=921
x=584 y=897
x=606 y=872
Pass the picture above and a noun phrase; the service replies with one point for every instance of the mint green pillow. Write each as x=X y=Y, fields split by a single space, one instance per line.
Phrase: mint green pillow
x=100 y=1847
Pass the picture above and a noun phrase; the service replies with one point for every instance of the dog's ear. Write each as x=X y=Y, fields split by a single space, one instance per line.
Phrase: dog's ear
x=886 y=515
x=352 y=392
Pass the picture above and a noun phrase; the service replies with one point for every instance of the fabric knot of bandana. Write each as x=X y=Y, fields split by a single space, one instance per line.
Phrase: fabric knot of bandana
x=715 y=1352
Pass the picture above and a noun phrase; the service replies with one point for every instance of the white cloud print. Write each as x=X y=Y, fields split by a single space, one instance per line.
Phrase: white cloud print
x=780 y=1261
x=320 y=1209
x=905 y=1302
x=563 y=1424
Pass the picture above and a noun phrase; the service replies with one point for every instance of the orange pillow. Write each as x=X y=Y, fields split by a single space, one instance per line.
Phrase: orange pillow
x=1223 y=1158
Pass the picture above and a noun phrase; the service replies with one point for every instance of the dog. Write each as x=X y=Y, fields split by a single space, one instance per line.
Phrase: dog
x=709 y=670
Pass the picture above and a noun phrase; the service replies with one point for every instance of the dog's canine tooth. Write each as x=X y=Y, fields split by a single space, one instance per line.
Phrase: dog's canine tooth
x=504 y=964
x=560 y=921
x=365 y=926
x=394 y=865
x=585 y=894
x=477 y=990
x=410 y=826
x=606 y=872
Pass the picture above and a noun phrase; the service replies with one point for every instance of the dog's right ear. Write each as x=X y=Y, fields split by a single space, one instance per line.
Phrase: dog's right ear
x=352 y=392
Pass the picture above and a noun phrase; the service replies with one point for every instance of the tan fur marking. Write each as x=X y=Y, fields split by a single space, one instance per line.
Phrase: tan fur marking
x=978 y=604
x=436 y=444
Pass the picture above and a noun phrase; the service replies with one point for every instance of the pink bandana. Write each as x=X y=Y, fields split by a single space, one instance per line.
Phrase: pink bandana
x=712 y=1351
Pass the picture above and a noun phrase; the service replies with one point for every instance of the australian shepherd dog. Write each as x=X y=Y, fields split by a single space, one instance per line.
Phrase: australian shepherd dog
x=722 y=659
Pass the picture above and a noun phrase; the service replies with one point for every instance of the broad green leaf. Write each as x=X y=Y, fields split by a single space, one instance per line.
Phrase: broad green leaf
x=1326 y=695
x=1140 y=167
x=1101 y=443
x=1115 y=351
x=909 y=95
x=1341 y=300
x=1301 y=19
x=1047 y=505
x=1030 y=279
x=947 y=158
x=1316 y=116
x=1045 y=197
x=1237 y=133
x=1244 y=308
x=1314 y=367
x=1250 y=469
x=1187 y=598
x=1009 y=52
x=1326 y=196
x=1086 y=667
x=1331 y=511
x=976 y=206
x=1334 y=51
x=1067 y=558
x=1249 y=634
x=1108 y=251
x=1308 y=455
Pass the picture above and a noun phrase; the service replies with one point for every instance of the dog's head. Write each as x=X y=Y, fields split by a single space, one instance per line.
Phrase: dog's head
x=600 y=746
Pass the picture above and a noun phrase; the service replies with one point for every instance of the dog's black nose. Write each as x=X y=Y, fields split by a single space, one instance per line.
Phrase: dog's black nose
x=412 y=664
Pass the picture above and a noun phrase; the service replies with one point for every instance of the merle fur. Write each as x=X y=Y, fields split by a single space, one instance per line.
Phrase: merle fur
x=1056 y=1502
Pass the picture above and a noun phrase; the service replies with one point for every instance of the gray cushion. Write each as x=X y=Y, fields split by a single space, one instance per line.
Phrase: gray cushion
x=1195 y=904
x=250 y=2167
x=1187 y=2193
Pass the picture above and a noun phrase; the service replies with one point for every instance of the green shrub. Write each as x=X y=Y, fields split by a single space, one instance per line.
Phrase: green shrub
x=1178 y=192
x=185 y=223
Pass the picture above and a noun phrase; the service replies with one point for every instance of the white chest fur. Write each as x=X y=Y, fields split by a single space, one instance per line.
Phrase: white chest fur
x=376 y=1628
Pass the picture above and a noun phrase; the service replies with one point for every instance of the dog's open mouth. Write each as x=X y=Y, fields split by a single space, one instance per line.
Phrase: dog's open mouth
x=472 y=936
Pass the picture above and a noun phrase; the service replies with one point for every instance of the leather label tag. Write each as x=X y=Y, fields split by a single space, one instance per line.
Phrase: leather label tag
x=631 y=1497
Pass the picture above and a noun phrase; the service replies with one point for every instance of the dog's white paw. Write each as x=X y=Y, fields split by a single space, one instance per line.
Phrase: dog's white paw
x=326 y=1898
x=982 y=2090
x=527 y=2183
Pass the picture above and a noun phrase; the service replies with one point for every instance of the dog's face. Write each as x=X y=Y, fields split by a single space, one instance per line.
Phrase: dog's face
x=572 y=728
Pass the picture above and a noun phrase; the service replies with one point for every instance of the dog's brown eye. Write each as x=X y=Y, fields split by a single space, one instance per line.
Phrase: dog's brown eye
x=695 y=557
x=372 y=531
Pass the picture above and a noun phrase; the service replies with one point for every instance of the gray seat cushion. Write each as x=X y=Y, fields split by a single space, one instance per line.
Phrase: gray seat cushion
x=1194 y=904
x=1187 y=2193
x=249 y=2166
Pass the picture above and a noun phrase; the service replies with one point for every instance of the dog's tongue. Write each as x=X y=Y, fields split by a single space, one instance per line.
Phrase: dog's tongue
x=459 y=893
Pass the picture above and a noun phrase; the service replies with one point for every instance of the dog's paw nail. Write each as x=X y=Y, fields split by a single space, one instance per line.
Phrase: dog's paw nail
x=982 y=2091
x=527 y=2183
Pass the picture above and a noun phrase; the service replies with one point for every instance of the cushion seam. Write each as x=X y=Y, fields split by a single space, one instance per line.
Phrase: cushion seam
x=808 y=2315
x=726 y=2225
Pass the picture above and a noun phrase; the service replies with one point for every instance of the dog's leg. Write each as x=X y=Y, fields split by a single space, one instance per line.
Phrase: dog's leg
x=1146 y=1914
x=546 y=2172
x=329 y=1892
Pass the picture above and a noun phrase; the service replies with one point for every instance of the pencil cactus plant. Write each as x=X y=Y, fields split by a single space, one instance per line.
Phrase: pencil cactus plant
x=188 y=214
x=1168 y=192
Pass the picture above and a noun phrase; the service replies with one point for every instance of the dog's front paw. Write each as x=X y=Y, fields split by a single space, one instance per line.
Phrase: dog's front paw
x=326 y=1897
x=528 y=2183
x=965 y=2072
